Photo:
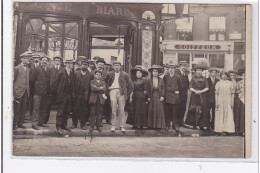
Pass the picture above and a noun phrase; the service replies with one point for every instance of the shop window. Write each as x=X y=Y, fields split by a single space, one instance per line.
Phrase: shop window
x=35 y=35
x=217 y=28
x=184 y=57
x=216 y=60
x=168 y=9
x=54 y=40
x=184 y=28
x=71 y=41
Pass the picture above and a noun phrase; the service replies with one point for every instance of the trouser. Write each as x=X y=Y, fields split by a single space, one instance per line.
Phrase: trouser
x=211 y=106
x=107 y=109
x=118 y=105
x=96 y=114
x=51 y=101
x=30 y=105
x=63 y=111
x=172 y=114
x=81 y=114
x=40 y=109
x=182 y=109
x=20 y=109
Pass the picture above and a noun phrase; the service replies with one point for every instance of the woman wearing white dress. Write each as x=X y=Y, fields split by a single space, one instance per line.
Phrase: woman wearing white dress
x=224 y=119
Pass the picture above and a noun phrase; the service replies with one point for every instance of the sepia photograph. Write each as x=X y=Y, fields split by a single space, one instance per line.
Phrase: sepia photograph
x=131 y=80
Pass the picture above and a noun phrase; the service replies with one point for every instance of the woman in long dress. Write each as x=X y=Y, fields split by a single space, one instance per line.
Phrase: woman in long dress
x=197 y=112
x=239 y=104
x=139 y=97
x=224 y=119
x=155 y=91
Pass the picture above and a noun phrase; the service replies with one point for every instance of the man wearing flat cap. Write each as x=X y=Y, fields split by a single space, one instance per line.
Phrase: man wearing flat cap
x=82 y=93
x=172 y=84
x=212 y=81
x=21 y=90
x=41 y=79
x=120 y=88
x=64 y=86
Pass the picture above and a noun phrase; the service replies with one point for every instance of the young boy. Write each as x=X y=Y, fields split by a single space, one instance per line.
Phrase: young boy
x=97 y=100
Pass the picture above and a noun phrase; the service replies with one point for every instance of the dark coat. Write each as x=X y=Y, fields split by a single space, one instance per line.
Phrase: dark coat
x=172 y=87
x=21 y=81
x=97 y=93
x=211 y=91
x=149 y=87
x=41 y=80
x=125 y=83
x=185 y=85
x=53 y=74
x=62 y=83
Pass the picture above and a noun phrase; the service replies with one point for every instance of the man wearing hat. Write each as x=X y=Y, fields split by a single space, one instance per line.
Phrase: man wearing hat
x=79 y=62
x=41 y=79
x=53 y=73
x=21 y=90
x=96 y=58
x=64 y=85
x=82 y=93
x=172 y=83
x=120 y=87
x=113 y=59
x=91 y=66
x=184 y=90
x=212 y=81
x=100 y=64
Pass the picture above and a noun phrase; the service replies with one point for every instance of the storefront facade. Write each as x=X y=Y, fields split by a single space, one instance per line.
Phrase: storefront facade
x=66 y=29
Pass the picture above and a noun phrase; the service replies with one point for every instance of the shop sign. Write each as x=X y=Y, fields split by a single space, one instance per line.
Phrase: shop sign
x=61 y=6
x=198 y=47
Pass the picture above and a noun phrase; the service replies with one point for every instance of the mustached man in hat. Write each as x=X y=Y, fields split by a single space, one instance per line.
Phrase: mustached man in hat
x=21 y=90
x=64 y=86
x=41 y=99
x=212 y=81
x=100 y=64
x=82 y=93
x=172 y=83
x=120 y=88
x=182 y=72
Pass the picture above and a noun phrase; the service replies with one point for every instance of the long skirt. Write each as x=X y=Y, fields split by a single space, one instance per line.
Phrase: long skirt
x=156 y=117
x=140 y=109
x=197 y=111
x=239 y=115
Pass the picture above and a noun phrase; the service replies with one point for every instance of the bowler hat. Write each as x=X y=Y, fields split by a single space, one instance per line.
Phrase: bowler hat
x=117 y=62
x=35 y=55
x=96 y=57
x=200 y=66
x=139 y=68
x=69 y=61
x=57 y=57
x=84 y=61
x=156 y=67
x=213 y=69
x=101 y=60
x=45 y=56
x=232 y=71
x=26 y=54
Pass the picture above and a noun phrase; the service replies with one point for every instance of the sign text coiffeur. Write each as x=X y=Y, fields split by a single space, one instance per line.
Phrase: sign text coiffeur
x=197 y=47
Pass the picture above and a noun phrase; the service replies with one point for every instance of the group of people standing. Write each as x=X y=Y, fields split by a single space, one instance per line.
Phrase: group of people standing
x=154 y=99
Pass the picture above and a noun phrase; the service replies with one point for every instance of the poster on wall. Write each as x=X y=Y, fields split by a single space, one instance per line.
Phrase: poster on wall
x=147 y=49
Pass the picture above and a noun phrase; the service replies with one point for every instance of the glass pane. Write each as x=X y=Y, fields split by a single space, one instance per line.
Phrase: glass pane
x=184 y=57
x=54 y=46
x=165 y=8
x=55 y=29
x=36 y=24
x=212 y=37
x=216 y=60
x=35 y=43
x=29 y=29
x=221 y=36
x=71 y=30
x=70 y=49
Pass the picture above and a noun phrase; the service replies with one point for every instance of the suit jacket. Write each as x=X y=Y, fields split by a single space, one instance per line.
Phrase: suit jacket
x=41 y=80
x=21 y=81
x=125 y=83
x=185 y=85
x=64 y=84
x=96 y=93
x=53 y=74
x=211 y=91
x=172 y=84
x=149 y=87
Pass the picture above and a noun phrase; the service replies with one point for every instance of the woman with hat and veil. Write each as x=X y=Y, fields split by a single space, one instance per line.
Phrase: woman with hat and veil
x=197 y=112
x=139 y=97
x=155 y=90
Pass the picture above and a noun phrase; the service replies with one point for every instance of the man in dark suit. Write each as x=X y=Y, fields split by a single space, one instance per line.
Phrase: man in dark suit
x=82 y=92
x=172 y=84
x=212 y=81
x=21 y=90
x=64 y=86
x=32 y=65
x=41 y=79
x=53 y=73
x=182 y=72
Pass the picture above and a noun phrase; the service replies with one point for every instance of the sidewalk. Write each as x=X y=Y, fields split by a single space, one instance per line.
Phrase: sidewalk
x=51 y=130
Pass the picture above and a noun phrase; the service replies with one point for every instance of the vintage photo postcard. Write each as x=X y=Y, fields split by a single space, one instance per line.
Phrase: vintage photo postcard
x=131 y=80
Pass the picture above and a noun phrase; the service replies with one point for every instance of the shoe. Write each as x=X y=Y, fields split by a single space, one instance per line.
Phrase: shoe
x=167 y=128
x=84 y=127
x=99 y=129
x=65 y=128
x=113 y=129
x=59 y=131
x=15 y=127
x=194 y=128
x=73 y=126
x=90 y=129
x=43 y=125
x=21 y=126
x=177 y=128
x=36 y=127
x=122 y=129
x=202 y=129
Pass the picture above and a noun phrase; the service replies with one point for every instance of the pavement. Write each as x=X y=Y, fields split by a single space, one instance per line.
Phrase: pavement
x=156 y=147
x=51 y=130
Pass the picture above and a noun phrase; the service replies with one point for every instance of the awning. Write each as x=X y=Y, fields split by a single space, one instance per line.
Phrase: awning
x=217 y=24
x=184 y=24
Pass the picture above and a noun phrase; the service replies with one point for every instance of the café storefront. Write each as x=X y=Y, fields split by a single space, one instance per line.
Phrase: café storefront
x=66 y=29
